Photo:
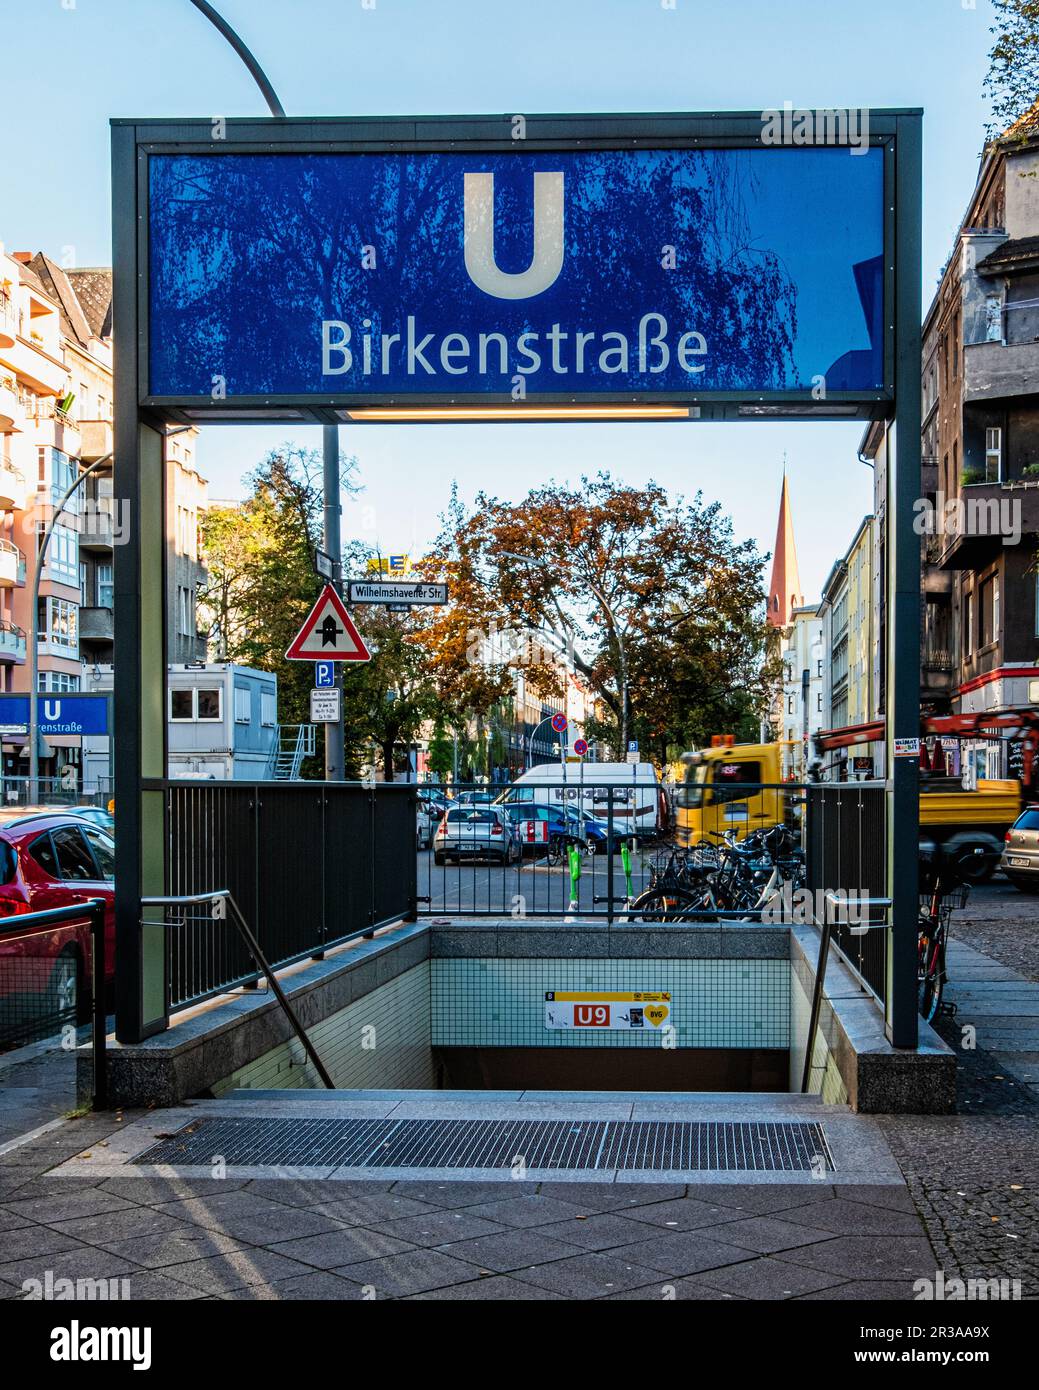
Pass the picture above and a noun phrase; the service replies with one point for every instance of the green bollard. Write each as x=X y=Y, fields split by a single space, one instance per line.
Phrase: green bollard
x=574 y=855
x=626 y=862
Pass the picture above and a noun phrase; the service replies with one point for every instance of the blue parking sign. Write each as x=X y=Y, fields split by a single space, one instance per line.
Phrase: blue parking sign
x=324 y=674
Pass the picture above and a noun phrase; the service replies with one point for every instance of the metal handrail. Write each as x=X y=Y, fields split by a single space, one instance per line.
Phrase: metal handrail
x=832 y=900
x=221 y=897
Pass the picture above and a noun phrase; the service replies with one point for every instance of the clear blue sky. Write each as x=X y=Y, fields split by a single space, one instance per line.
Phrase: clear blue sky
x=99 y=58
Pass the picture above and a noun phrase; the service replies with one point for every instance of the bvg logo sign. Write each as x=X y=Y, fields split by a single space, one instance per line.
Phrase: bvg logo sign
x=547 y=259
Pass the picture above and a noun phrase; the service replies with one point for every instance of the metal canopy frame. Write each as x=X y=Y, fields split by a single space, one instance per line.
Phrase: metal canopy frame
x=141 y=421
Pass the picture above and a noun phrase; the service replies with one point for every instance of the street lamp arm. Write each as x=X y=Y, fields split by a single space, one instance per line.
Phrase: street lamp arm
x=34 y=625
x=255 y=71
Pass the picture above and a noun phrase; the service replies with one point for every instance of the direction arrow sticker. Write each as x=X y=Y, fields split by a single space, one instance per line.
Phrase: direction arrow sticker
x=328 y=633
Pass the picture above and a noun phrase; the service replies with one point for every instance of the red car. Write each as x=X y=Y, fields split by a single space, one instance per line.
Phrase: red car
x=48 y=860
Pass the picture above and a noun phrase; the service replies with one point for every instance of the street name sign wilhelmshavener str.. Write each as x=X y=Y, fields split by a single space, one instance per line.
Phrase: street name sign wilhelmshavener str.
x=393 y=592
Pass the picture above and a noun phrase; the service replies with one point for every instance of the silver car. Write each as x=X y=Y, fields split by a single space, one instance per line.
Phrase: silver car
x=1020 y=861
x=475 y=832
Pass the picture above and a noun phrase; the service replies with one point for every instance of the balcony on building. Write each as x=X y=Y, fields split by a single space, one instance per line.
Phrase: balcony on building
x=95 y=517
x=11 y=414
x=12 y=643
x=12 y=566
x=12 y=487
x=96 y=625
x=9 y=320
x=51 y=426
x=95 y=440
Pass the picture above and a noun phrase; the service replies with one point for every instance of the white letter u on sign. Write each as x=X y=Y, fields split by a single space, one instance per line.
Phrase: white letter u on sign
x=547 y=260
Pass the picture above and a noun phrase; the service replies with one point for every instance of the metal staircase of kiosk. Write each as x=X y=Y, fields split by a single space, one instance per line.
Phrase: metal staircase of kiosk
x=292 y=743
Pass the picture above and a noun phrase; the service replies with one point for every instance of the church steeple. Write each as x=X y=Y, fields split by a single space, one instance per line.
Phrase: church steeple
x=784 y=591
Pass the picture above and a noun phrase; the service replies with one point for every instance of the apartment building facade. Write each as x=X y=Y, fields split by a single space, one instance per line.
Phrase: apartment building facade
x=56 y=414
x=849 y=637
x=981 y=393
x=802 y=711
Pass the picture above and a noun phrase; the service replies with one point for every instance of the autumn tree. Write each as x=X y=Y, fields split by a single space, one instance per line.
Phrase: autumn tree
x=661 y=608
x=471 y=651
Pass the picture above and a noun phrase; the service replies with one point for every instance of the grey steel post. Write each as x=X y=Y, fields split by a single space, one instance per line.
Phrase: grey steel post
x=335 y=755
x=902 y=692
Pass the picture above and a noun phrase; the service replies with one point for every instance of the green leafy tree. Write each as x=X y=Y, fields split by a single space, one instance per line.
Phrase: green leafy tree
x=260 y=575
x=1012 y=81
x=440 y=758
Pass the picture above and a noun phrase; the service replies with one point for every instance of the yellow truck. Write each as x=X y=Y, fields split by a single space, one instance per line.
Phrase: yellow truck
x=739 y=787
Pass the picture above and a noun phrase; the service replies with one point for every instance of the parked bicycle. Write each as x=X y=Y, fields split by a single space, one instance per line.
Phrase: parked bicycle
x=944 y=889
x=727 y=874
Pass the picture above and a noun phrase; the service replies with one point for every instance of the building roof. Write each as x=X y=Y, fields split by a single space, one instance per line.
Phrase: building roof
x=73 y=321
x=1025 y=126
x=93 y=286
x=1020 y=254
x=84 y=298
x=784 y=590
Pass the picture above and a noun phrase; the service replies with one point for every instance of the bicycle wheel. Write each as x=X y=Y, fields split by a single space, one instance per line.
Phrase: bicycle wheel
x=664 y=905
x=930 y=975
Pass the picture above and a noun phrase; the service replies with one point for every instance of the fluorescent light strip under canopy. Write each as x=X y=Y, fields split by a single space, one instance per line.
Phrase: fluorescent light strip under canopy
x=447 y=414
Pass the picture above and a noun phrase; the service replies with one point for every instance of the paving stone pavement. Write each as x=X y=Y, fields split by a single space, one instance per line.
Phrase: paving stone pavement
x=969 y=1207
x=1000 y=921
x=286 y=1240
x=974 y=1176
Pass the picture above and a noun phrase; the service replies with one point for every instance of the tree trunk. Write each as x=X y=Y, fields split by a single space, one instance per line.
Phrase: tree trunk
x=387 y=761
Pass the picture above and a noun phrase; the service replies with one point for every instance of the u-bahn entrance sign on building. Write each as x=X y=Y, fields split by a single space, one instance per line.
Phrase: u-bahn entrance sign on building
x=339 y=271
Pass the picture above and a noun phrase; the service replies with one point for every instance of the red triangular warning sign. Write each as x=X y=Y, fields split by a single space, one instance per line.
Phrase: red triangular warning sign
x=329 y=633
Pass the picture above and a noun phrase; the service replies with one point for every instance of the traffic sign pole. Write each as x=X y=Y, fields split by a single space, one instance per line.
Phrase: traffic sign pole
x=335 y=747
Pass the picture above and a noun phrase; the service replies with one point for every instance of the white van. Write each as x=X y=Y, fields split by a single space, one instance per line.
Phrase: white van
x=640 y=804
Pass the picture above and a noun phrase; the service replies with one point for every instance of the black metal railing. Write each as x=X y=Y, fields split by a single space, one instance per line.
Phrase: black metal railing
x=309 y=864
x=846 y=846
x=504 y=850
x=53 y=981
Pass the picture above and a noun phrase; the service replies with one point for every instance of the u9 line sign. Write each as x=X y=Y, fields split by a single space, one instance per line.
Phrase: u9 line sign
x=666 y=267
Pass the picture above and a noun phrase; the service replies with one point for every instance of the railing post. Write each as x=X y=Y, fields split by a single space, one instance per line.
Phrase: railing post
x=610 y=852
x=323 y=924
x=99 y=1097
x=371 y=859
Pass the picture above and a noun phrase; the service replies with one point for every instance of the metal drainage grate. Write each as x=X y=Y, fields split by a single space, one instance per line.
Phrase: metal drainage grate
x=657 y=1145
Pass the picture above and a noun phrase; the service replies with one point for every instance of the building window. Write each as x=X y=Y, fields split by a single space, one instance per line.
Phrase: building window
x=56 y=682
x=994 y=455
x=185 y=611
x=83 y=584
x=268 y=709
x=57 y=472
x=63 y=555
x=105 y=586
x=208 y=705
x=243 y=705
x=195 y=706
x=988 y=611
x=995 y=608
x=59 y=623
x=968 y=625
x=187 y=529
x=182 y=705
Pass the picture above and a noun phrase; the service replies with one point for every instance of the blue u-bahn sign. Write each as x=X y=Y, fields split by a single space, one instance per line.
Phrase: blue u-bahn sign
x=57 y=714
x=660 y=268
